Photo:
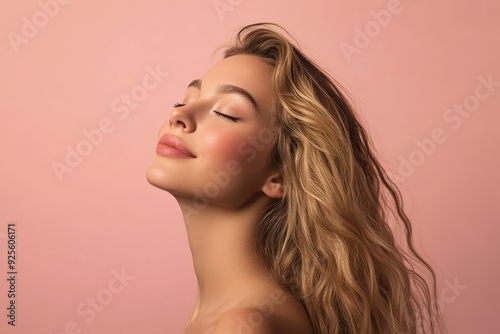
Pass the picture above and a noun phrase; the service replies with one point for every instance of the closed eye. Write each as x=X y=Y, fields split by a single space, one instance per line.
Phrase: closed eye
x=234 y=119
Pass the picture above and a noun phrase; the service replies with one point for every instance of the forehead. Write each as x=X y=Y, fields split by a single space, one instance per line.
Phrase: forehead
x=249 y=72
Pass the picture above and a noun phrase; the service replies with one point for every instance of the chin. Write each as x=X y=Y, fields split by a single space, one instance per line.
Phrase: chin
x=168 y=179
x=157 y=176
x=162 y=179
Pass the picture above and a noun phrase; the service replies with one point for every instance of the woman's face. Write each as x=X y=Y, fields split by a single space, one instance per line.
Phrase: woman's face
x=230 y=155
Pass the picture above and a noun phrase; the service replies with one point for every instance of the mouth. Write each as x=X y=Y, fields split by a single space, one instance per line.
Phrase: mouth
x=173 y=146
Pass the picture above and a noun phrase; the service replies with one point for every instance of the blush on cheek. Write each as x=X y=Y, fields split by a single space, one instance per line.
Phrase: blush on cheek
x=224 y=146
x=239 y=149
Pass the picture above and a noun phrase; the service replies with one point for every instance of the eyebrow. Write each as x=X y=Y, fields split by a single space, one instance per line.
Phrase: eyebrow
x=228 y=89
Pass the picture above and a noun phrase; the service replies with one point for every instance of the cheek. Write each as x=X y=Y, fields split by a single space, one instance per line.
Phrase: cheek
x=223 y=145
x=241 y=146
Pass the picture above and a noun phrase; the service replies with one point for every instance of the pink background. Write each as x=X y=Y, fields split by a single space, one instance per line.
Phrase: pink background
x=104 y=216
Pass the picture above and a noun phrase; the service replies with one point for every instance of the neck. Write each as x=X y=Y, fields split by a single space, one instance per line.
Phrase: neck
x=226 y=259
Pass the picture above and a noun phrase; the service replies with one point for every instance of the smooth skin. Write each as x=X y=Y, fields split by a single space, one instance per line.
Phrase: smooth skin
x=234 y=285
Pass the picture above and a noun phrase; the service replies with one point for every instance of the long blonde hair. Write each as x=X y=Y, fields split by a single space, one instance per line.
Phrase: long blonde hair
x=327 y=241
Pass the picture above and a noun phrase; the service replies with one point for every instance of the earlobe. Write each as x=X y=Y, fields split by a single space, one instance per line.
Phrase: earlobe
x=274 y=186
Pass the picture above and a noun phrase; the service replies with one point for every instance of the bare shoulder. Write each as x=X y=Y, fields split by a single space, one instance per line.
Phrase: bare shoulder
x=245 y=320
x=253 y=320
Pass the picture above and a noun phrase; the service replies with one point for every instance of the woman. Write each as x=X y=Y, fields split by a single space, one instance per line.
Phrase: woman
x=284 y=204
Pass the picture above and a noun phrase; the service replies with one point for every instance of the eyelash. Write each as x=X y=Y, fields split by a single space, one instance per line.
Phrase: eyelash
x=234 y=119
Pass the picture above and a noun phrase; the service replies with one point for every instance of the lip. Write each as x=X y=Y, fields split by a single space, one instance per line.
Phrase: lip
x=172 y=146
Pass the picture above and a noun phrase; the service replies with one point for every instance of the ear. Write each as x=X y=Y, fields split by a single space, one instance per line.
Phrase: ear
x=273 y=187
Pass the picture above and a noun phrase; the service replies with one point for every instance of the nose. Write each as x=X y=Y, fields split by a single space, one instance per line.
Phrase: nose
x=181 y=117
